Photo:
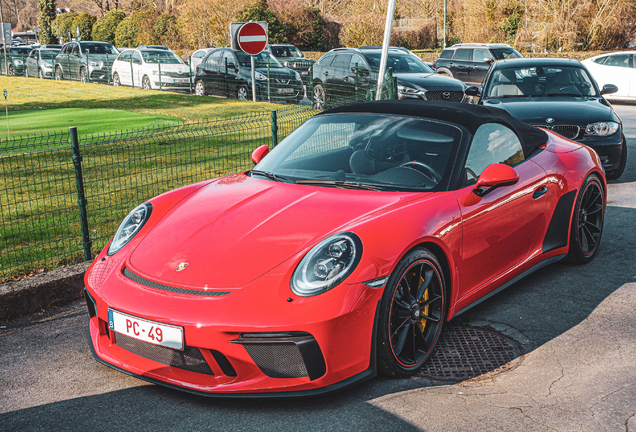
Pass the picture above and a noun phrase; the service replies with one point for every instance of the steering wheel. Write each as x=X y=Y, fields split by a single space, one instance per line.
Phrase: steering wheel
x=424 y=169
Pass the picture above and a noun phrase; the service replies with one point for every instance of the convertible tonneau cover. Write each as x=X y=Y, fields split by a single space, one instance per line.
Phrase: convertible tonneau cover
x=467 y=115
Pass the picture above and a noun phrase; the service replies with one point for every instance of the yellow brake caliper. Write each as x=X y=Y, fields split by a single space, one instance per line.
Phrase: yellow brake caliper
x=424 y=299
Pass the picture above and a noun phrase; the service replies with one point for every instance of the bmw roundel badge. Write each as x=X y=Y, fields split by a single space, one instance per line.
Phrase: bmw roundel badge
x=549 y=120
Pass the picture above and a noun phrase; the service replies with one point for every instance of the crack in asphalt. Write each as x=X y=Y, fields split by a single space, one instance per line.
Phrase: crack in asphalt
x=558 y=379
x=627 y=422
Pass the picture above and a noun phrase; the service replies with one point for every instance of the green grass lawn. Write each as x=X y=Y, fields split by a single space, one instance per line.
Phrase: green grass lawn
x=87 y=121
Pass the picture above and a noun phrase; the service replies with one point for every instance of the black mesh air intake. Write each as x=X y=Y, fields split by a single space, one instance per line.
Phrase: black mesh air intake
x=189 y=359
x=446 y=96
x=285 y=355
x=142 y=281
x=568 y=131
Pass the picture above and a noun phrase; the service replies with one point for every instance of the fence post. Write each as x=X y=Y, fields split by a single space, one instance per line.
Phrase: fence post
x=108 y=70
x=274 y=129
x=88 y=75
x=227 y=85
x=159 y=64
x=269 y=99
x=132 y=75
x=190 y=67
x=388 y=78
x=81 y=198
x=357 y=83
x=311 y=84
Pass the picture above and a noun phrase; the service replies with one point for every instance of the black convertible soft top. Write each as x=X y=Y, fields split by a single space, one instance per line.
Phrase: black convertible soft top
x=467 y=115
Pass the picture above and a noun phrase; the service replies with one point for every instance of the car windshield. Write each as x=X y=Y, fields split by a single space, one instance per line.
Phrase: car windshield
x=365 y=151
x=161 y=57
x=540 y=81
x=399 y=62
x=505 y=53
x=286 y=51
x=48 y=54
x=24 y=51
x=98 y=48
x=260 y=60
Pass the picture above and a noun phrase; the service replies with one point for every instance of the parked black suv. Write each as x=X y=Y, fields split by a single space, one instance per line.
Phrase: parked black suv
x=469 y=62
x=292 y=58
x=347 y=75
x=224 y=72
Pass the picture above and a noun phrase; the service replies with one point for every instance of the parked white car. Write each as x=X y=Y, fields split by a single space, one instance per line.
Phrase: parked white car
x=197 y=57
x=151 y=69
x=618 y=68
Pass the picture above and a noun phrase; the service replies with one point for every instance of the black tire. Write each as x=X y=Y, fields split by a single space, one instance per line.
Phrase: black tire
x=242 y=92
x=320 y=97
x=199 y=88
x=409 y=325
x=587 y=221
x=145 y=83
x=11 y=70
x=116 y=80
x=58 y=74
x=83 y=75
x=615 y=174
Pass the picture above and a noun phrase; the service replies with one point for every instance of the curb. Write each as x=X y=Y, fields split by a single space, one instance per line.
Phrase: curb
x=43 y=291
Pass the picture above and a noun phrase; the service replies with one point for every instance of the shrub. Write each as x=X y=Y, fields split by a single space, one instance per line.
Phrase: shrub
x=166 y=30
x=84 y=22
x=46 y=15
x=304 y=26
x=136 y=30
x=365 y=29
x=104 y=29
x=126 y=33
x=63 y=25
x=261 y=12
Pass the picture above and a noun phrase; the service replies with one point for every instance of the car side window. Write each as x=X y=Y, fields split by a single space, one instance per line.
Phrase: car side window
x=479 y=54
x=214 y=58
x=618 y=60
x=326 y=60
x=446 y=54
x=492 y=143
x=125 y=56
x=601 y=60
x=463 y=54
x=198 y=54
x=74 y=49
x=341 y=61
x=136 y=57
x=358 y=62
x=229 y=57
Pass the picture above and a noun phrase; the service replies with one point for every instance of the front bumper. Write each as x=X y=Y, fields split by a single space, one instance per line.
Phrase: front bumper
x=226 y=355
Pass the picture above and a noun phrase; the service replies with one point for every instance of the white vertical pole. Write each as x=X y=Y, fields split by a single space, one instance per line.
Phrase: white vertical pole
x=388 y=25
x=253 y=80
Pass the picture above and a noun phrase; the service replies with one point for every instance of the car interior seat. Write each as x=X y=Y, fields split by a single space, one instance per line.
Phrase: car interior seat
x=561 y=83
x=506 y=85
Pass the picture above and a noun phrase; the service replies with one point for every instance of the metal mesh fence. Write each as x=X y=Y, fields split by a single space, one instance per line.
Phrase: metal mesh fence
x=40 y=226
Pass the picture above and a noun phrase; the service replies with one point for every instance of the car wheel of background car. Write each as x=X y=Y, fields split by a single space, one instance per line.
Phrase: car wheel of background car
x=587 y=221
x=11 y=70
x=199 y=88
x=145 y=83
x=40 y=74
x=412 y=313
x=615 y=174
x=444 y=71
x=116 y=81
x=320 y=97
x=58 y=74
x=83 y=75
x=242 y=93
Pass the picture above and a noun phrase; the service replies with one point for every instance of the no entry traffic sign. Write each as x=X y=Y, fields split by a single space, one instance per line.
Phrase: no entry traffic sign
x=252 y=38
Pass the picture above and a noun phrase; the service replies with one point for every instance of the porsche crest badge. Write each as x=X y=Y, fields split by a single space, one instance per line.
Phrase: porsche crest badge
x=182 y=266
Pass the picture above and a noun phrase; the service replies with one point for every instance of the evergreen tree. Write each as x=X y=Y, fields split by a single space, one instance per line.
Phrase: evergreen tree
x=46 y=14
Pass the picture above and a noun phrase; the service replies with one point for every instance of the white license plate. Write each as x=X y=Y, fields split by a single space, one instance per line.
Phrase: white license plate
x=304 y=73
x=285 y=90
x=177 y=80
x=165 y=335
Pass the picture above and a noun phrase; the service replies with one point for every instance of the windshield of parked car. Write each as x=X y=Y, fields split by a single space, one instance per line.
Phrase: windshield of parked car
x=505 y=53
x=260 y=60
x=286 y=51
x=540 y=81
x=95 y=48
x=365 y=151
x=161 y=57
x=48 y=54
x=399 y=62
x=24 y=51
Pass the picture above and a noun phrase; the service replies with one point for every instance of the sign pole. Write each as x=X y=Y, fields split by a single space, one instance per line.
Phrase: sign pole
x=388 y=25
x=6 y=106
x=253 y=80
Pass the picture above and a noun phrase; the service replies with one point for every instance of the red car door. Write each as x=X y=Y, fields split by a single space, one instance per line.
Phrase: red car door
x=500 y=228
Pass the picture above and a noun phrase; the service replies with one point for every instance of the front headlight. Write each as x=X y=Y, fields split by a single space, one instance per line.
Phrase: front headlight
x=405 y=89
x=327 y=264
x=162 y=73
x=96 y=63
x=130 y=227
x=259 y=76
x=601 y=128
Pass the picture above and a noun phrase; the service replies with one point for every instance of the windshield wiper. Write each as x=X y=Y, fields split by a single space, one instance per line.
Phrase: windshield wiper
x=340 y=183
x=271 y=176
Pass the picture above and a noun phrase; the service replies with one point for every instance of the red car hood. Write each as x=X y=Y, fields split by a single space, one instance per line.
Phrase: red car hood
x=232 y=231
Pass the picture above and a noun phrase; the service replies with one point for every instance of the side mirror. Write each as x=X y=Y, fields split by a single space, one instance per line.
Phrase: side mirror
x=260 y=153
x=609 y=89
x=472 y=91
x=493 y=177
x=487 y=60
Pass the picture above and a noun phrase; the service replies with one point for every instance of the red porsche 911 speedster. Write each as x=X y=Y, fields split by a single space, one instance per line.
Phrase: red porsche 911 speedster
x=343 y=252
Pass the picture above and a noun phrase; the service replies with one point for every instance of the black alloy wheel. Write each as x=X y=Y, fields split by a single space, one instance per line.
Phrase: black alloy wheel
x=587 y=221
x=412 y=314
x=320 y=97
x=116 y=80
x=145 y=83
x=11 y=70
x=83 y=75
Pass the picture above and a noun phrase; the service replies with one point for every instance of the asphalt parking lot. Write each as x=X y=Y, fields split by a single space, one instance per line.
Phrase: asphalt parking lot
x=576 y=370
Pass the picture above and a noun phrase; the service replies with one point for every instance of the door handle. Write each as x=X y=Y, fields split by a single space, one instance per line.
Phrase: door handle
x=539 y=192
x=326 y=73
